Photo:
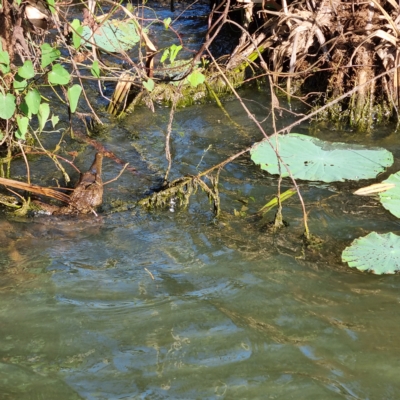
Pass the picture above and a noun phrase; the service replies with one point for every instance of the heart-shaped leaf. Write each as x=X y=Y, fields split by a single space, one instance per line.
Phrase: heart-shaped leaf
x=32 y=100
x=43 y=114
x=7 y=105
x=73 y=96
x=26 y=71
x=59 y=75
x=49 y=54
x=196 y=78
x=149 y=85
x=22 y=123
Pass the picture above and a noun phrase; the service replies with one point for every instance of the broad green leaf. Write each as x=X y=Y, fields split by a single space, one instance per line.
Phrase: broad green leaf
x=391 y=198
x=76 y=33
x=26 y=71
x=43 y=114
x=113 y=36
x=4 y=62
x=7 y=105
x=19 y=84
x=22 y=123
x=54 y=120
x=149 y=85
x=167 y=22
x=377 y=253
x=312 y=159
x=32 y=100
x=95 y=70
x=49 y=54
x=73 y=96
x=59 y=75
x=196 y=78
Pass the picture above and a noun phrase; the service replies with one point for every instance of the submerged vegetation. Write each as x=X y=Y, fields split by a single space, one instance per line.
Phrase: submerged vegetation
x=339 y=58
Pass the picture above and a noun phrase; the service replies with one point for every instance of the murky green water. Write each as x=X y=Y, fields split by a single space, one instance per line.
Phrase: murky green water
x=162 y=305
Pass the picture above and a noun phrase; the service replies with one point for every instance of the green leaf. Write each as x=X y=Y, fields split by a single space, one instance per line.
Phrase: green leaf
x=59 y=75
x=22 y=123
x=49 y=54
x=54 y=120
x=312 y=159
x=174 y=50
x=167 y=22
x=32 y=100
x=7 y=105
x=377 y=253
x=73 y=96
x=4 y=62
x=165 y=55
x=95 y=70
x=26 y=71
x=43 y=114
x=196 y=78
x=51 y=4
x=113 y=36
x=149 y=85
x=77 y=30
x=391 y=198
x=19 y=84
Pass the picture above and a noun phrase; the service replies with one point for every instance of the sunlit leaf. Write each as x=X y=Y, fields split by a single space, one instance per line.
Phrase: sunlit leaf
x=32 y=100
x=149 y=85
x=391 y=198
x=51 y=4
x=174 y=50
x=95 y=70
x=165 y=55
x=59 y=75
x=77 y=30
x=43 y=115
x=54 y=120
x=312 y=159
x=377 y=253
x=73 y=96
x=49 y=54
x=113 y=36
x=22 y=123
x=26 y=71
x=167 y=22
x=4 y=61
x=19 y=84
x=7 y=105
x=196 y=78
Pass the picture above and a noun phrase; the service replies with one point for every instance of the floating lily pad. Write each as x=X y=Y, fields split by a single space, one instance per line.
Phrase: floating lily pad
x=313 y=159
x=377 y=253
x=113 y=36
x=391 y=198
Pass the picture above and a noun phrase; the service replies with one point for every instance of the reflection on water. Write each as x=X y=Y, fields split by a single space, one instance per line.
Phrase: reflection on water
x=137 y=305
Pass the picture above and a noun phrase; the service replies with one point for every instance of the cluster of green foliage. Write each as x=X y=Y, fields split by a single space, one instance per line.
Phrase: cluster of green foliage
x=20 y=91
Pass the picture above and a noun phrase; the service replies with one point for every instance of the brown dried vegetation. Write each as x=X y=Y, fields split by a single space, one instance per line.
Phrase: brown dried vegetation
x=330 y=47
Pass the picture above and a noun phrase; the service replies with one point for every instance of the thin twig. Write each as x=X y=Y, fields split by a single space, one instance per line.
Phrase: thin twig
x=117 y=177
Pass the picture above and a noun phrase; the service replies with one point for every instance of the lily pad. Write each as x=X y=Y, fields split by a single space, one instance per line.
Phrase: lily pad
x=312 y=159
x=377 y=253
x=391 y=198
x=113 y=36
